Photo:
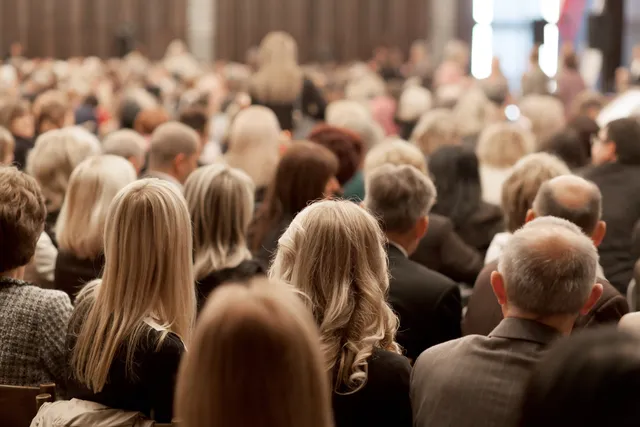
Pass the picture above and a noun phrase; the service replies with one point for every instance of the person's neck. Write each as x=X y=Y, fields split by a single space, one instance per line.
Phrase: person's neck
x=16 y=273
x=166 y=171
x=562 y=323
x=404 y=241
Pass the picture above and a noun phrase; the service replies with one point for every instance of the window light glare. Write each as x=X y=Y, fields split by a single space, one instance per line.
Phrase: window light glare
x=550 y=10
x=482 y=11
x=481 y=51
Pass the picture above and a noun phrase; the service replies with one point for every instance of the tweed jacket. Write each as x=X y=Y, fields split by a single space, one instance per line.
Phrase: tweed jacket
x=33 y=328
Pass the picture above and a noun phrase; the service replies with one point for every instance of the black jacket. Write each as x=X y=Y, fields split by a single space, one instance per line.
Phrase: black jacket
x=21 y=151
x=444 y=251
x=479 y=229
x=243 y=272
x=428 y=304
x=620 y=188
x=72 y=273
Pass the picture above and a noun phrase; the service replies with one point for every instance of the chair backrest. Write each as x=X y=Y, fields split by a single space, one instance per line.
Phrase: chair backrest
x=19 y=405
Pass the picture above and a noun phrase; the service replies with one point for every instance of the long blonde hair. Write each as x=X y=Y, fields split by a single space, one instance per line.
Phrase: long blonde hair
x=92 y=187
x=148 y=277
x=221 y=204
x=333 y=252
x=255 y=361
x=279 y=79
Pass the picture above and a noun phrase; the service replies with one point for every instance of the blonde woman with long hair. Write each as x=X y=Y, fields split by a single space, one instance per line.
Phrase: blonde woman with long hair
x=255 y=361
x=333 y=253
x=129 y=330
x=221 y=205
x=80 y=227
x=281 y=85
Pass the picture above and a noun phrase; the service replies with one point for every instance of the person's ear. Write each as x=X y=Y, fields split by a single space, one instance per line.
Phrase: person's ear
x=497 y=283
x=421 y=227
x=531 y=215
x=612 y=152
x=594 y=296
x=179 y=161
x=598 y=234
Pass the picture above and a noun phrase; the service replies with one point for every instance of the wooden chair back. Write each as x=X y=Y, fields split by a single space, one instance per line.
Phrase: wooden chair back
x=19 y=405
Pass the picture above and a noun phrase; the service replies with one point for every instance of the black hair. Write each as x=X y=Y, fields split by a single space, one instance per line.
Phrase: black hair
x=567 y=146
x=591 y=379
x=457 y=179
x=625 y=133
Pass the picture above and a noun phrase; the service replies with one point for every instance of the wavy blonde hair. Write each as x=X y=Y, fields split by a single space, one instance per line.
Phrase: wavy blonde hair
x=279 y=79
x=222 y=383
x=333 y=252
x=92 y=187
x=54 y=157
x=148 y=279
x=501 y=145
x=221 y=204
x=435 y=129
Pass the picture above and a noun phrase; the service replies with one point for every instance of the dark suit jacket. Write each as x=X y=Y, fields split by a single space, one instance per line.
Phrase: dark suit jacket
x=484 y=313
x=620 y=187
x=427 y=303
x=243 y=272
x=480 y=228
x=442 y=250
x=72 y=273
x=21 y=151
x=476 y=380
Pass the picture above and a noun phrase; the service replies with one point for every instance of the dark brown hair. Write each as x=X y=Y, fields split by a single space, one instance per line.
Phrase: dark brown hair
x=50 y=110
x=196 y=118
x=346 y=145
x=22 y=215
x=301 y=176
x=12 y=111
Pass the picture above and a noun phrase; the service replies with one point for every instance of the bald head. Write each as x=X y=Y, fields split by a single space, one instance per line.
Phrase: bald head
x=170 y=140
x=572 y=198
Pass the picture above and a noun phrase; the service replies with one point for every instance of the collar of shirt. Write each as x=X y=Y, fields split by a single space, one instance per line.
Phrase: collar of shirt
x=400 y=248
x=525 y=330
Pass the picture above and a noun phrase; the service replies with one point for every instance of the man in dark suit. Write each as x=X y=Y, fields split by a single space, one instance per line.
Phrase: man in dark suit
x=427 y=302
x=580 y=202
x=547 y=276
x=616 y=171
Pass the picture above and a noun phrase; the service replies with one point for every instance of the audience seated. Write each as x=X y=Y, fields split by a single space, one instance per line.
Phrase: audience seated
x=457 y=179
x=441 y=249
x=546 y=277
x=128 y=144
x=17 y=118
x=580 y=202
x=567 y=146
x=80 y=226
x=616 y=171
x=589 y=380
x=129 y=330
x=414 y=102
x=255 y=360
x=7 y=147
x=346 y=145
x=436 y=128
x=173 y=154
x=221 y=205
x=254 y=146
x=499 y=147
x=33 y=321
x=427 y=303
x=52 y=111
x=369 y=376
x=306 y=173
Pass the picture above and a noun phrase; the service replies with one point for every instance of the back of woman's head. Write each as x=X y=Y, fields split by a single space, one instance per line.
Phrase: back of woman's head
x=254 y=361
x=221 y=203
x=590 y=380
x=148 y=278
x=345 y=144
x=92 y=187
x=457 y=179
x=435 y=129
x=54 y=157
x=254 y=144
x=546 y=114
x=279 y=78
x=52 y=111
x=501 y=145
x=333 y=252
x=567 y=146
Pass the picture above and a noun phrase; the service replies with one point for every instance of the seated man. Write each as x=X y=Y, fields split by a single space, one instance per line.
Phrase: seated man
x=173 y=153
x=580 y=202
x=546 y=277
x=128 y=144
x=33 y=321
x=427 y=302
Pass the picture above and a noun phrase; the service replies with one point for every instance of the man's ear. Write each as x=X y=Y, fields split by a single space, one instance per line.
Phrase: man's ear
x=594 y=296
x=497 y=283
x=421 y=227
x=599 y=233
x=179 y=160
x=531 y=215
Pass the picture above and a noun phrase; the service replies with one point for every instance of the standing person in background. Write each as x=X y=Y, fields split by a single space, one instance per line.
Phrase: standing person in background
x=534 y=80
x=280 y=84
x=570 y=82
x=222 y=383
x=16 y=117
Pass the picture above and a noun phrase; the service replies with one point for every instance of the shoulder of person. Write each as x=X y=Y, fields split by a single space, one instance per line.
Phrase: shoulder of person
x=446 y=353
x=387 y=364
x=48 y=300
x=439 y=224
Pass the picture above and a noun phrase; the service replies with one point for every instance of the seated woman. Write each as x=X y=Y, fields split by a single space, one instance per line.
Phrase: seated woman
x=306 y=173
x=80 y=227
x=455 y=174
x=129 y=330
x=220 y=201
x=223 y=383
x=333 y=252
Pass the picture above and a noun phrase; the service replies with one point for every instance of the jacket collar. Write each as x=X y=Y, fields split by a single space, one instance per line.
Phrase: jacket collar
x=525 y=330
x=392 y=246
x=6 y=282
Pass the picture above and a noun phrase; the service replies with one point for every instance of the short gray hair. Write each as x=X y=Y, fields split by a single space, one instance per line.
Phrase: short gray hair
x=584 y=208
x=399 y=196
x=355 y=117
x=125 y=143
x=169 y=140
x=549 y=267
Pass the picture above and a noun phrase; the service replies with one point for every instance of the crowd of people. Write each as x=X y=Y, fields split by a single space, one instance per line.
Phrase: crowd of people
x=283 y=245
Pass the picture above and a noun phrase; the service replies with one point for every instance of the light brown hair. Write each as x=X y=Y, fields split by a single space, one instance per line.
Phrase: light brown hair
x=50 y=110
x=501 y=145
x=149 y=120
x=7 y=146
x=255 y=361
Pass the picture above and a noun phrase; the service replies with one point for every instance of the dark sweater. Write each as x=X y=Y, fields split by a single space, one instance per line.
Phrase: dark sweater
x=72 y=273
x=150 y=390
x=243 y=272
x=383 y=401
x=21 y=151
